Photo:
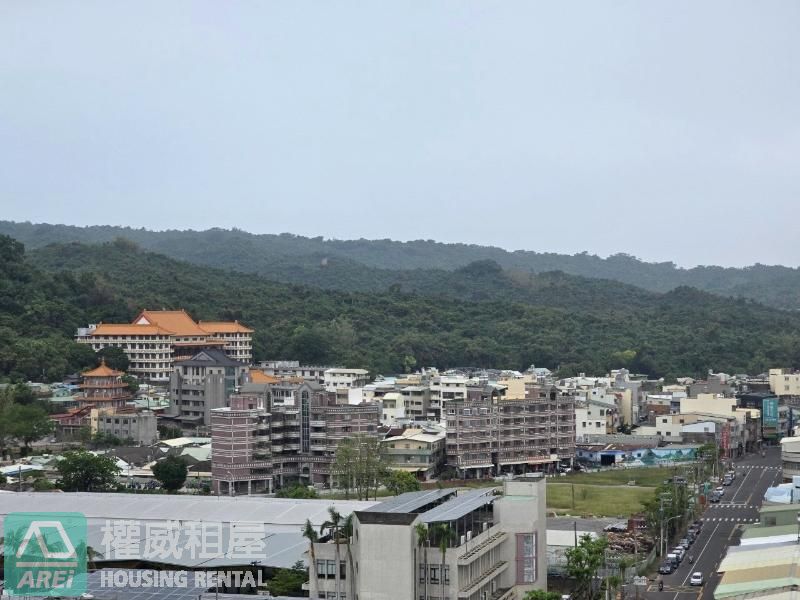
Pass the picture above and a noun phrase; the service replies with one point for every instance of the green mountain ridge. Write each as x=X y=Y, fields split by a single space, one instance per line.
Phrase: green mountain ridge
x=47 y=293
x=377 y=265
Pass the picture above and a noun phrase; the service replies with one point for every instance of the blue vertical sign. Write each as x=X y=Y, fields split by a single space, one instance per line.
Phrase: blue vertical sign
x=769 y=414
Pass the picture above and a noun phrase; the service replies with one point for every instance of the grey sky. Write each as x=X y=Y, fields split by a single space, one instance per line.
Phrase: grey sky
x=669 y=130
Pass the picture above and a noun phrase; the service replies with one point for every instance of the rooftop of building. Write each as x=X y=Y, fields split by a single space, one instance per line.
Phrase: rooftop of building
x=414 y=502
x=281 y=519
x=210 y=357
x=224 y=327
x=114 y=329
x=760 y=531
x=177 y=321
x=102 y=371
x=748 y=571
x=417 y=435
x=169 y=322
x=339 y=370
x=257 y=376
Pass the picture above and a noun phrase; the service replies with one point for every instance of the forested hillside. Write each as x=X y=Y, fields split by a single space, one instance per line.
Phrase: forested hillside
x=46 y=294
x=377 y=265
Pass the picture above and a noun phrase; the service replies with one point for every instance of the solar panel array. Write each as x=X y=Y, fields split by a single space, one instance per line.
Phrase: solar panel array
x=411 y=501
x=459 y=506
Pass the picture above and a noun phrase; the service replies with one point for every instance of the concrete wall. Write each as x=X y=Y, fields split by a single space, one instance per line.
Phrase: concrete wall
x=375 y=544
x=523 y=510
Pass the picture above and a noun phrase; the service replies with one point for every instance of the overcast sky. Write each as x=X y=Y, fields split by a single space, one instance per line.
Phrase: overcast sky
x=669 y=130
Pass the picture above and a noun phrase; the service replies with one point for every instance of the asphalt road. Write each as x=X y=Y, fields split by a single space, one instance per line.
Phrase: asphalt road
x=721 y=525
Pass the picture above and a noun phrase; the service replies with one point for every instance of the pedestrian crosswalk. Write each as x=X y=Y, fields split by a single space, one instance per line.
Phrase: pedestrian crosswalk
x=730 y=519
x=733 y=505
x=758 y=467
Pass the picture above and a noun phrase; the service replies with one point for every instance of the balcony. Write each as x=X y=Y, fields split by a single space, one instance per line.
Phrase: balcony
x=318 y=435
x=317 y=423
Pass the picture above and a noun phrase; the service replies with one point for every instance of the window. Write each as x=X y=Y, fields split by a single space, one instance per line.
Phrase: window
x=434 y=574
x=526 y=558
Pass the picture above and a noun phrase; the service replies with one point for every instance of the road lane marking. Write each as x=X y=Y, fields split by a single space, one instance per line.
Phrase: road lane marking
x=750 y=497
x=700 y=554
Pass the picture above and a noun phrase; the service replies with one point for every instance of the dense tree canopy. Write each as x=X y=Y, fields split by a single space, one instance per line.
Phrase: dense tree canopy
x=683 y=332
x=418 y=266
x=82 y=471
x=171 y=473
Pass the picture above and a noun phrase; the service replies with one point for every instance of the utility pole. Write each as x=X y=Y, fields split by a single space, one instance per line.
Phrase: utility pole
x=661 y=527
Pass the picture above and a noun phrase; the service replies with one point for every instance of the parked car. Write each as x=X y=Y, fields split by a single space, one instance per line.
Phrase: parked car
x=680 y=551
x=720 y=490
x=696 y=579
x=685 y=542
x=666 y=568
x=715 y=497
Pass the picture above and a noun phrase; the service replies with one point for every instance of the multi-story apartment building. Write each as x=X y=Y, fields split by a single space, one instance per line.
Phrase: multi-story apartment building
x=445 y=388
x=595 y=417
x=156 y=339
x=475 y=546
x=202 y=383
x=241 y=455
x=488 y=434
x=103 y=388
x=335 y=379
x=303 y=435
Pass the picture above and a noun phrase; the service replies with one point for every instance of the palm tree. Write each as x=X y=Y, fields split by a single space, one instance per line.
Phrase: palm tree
x=422 y=542
x=311 y=535
x=334 y=525
x=347 y=533
x=445 y=535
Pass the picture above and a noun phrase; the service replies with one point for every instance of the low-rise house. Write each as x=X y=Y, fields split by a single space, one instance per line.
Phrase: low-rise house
x=139 y=426
x=416 y=451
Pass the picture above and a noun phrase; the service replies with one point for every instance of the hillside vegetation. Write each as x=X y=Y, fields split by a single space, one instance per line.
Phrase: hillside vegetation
x=47 y=293
x=377 y=265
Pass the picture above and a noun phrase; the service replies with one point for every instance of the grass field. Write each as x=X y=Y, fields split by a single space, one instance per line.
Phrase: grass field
x=597 y=500
x=645 y=476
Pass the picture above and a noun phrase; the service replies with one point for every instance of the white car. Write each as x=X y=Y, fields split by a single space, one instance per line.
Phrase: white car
x=696 y=579
x=720 y=490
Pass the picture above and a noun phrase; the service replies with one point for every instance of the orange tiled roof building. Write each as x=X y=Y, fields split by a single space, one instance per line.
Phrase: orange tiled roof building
x=103 y=388
x=155 y=339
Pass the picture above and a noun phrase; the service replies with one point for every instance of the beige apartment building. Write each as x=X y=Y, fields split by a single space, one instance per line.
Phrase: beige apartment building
x=494 y=547
x=156 y=339
x=784 y=382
